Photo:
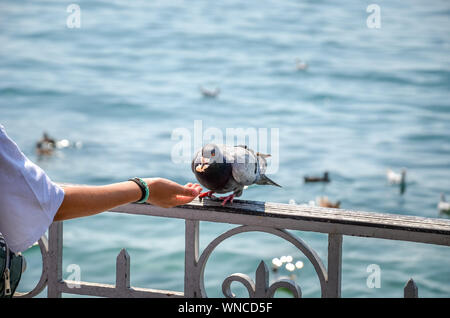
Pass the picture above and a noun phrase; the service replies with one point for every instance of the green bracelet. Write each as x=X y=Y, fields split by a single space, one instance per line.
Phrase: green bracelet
x=144 y=188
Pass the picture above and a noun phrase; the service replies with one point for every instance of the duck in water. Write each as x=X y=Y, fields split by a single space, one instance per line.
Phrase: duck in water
x=443 y=205
x=45 y=145
x=324 y=202
x=325 y=178
x=300 y=65
x=397 y=179
x=210 y=93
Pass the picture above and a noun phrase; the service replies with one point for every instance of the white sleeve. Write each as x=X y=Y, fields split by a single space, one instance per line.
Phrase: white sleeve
x=29 y=200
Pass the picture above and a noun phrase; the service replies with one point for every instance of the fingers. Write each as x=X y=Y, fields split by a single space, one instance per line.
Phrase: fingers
x=192 y=185
x=179 y=199
x=188 y=193
x=191 y=190
x=167 y=193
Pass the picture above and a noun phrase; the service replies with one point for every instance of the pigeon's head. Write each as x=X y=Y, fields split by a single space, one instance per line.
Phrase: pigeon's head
x=211 y=154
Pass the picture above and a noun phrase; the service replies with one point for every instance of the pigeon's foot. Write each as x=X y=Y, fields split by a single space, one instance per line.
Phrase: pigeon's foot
x=228 y=198
x=208 y=194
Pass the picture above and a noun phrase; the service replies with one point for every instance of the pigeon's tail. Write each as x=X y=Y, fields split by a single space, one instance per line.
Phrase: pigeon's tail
x=264 y=180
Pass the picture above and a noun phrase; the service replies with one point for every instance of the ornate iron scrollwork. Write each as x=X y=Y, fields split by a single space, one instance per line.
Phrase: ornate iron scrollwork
x=260 y=287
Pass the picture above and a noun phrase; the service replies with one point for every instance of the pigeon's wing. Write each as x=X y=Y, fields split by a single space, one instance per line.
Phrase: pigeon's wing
x=262 y=162
x=245 y=165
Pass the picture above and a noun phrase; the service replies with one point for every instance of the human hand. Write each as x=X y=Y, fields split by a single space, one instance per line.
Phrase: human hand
x=166 y=193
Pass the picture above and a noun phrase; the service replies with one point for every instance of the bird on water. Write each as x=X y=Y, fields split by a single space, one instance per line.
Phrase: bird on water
x=210 y=93
x=397 y=178
x=325 y=178
x=443 y=205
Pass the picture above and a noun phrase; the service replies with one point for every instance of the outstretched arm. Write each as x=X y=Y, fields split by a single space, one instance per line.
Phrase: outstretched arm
x=82 y=201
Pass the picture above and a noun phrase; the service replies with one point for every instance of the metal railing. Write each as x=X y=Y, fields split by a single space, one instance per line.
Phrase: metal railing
x=249 y=216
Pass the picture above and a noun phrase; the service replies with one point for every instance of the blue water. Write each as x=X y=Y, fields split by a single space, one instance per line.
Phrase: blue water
x=121 y=83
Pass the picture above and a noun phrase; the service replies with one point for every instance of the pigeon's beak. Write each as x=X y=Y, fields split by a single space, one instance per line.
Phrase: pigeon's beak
x=203 y=165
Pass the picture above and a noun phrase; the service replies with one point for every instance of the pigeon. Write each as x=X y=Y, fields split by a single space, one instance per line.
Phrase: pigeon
x=443 y=205
x=223 y=168
x=325 y=178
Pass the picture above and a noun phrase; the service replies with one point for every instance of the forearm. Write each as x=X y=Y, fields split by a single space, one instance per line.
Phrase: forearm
x=88 y=200
x=82 y=201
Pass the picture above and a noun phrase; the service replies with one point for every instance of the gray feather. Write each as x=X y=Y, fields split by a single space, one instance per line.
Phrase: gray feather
x=264 y=180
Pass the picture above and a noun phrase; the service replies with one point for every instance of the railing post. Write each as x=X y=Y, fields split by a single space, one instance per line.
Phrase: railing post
x=123 y=271
x=411 y=290
x=191 y=275
x=54 y=271
x=334 y=265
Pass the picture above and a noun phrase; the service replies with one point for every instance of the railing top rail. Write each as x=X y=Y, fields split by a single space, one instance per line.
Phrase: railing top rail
x=299 y=212
x=318 y=219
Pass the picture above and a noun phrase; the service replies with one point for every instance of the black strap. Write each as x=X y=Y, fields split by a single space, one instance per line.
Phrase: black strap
x=141 y=185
